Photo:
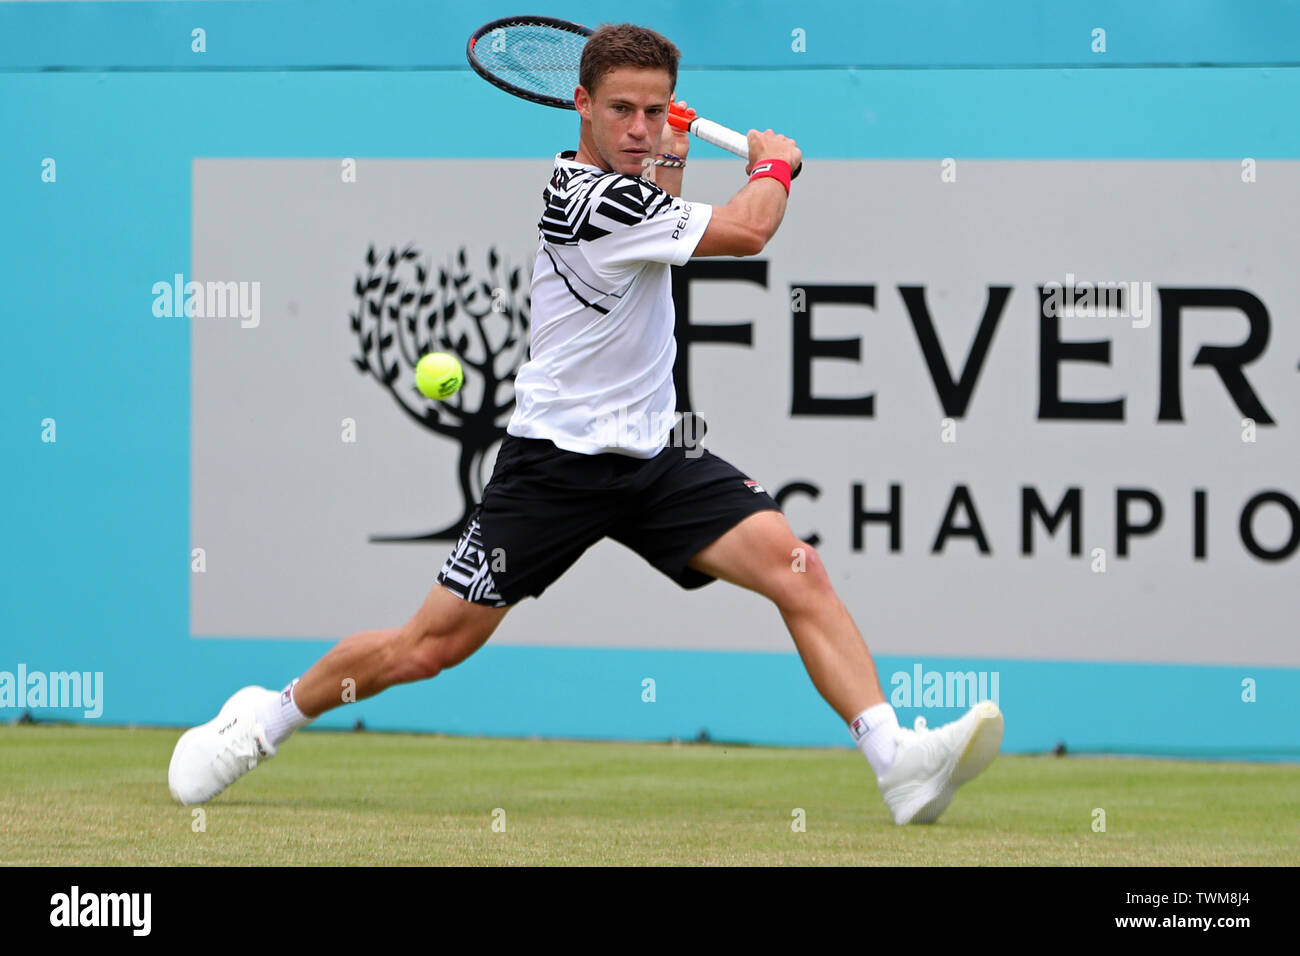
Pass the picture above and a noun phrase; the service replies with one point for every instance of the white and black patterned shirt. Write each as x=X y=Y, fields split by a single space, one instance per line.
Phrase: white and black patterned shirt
x=599 y=377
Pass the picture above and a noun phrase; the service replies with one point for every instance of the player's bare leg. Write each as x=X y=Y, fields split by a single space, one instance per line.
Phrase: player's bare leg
x=918 y=771
x=763 y=554
x=442 y=633
x=253 y=723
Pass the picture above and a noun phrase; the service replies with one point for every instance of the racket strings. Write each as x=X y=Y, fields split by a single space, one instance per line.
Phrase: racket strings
x=538 y=59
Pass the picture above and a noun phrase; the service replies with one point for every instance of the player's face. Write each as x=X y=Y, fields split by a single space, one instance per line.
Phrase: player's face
x=627 y=116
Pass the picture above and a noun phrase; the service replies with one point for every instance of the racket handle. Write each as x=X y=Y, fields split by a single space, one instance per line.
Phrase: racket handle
x=725 y=138
x=721 y=136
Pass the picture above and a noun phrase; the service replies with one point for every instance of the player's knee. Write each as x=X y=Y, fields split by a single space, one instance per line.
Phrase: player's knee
x=427 y=651
x=801 y=583
x=411 y=656
x=428 y=657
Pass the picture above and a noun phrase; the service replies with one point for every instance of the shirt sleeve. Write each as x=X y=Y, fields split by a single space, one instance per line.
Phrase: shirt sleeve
x=643 y=223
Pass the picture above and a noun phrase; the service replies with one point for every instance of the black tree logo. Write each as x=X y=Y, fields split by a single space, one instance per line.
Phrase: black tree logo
x=402 y=314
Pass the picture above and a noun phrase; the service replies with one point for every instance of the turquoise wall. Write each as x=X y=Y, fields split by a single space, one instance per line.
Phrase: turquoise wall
x=95 y=569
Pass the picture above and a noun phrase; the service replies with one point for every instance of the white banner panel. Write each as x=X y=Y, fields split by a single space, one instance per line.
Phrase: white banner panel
x=915 y=363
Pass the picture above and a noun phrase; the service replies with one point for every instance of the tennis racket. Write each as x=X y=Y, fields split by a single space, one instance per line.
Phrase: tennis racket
x=537 y=58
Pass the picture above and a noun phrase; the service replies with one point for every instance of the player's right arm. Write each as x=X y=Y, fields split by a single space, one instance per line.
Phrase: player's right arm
x=745 y=224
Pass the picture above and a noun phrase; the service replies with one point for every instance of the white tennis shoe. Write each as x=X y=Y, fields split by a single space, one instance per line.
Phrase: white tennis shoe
x=212 y=756
x=931 y=764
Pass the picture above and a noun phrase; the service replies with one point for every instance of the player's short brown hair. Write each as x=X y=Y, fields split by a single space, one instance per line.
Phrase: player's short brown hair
x=625 y=44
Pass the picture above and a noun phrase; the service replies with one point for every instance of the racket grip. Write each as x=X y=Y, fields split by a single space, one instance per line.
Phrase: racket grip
x=721 y=136
x=728 y=139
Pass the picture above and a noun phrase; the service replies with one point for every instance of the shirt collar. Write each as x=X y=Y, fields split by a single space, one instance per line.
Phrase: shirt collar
x=568 y=158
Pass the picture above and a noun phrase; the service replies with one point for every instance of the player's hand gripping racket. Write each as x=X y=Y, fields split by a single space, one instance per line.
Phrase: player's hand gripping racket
x=537 y=58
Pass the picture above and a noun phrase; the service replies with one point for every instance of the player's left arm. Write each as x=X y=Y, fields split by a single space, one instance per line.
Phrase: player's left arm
x=672 y=142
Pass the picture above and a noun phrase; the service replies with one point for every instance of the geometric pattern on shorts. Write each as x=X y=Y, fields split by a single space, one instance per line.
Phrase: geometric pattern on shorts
x=467 y=572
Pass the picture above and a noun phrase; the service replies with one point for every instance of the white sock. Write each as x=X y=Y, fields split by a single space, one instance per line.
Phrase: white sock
x=281 y=717
x=873 y=732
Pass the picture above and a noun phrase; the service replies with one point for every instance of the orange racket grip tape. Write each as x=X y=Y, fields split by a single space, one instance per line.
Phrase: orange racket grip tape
x=679 y=118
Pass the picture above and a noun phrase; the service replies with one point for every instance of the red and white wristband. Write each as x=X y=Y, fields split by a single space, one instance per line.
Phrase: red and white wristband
x=777 y=169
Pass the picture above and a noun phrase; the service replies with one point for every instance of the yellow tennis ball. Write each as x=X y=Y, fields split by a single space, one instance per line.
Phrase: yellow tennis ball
x=439 y=375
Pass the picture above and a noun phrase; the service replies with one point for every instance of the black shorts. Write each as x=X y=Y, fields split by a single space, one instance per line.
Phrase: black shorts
x=544 y=507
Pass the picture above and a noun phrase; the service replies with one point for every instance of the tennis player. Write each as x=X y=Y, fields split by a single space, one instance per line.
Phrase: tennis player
x=592 y=451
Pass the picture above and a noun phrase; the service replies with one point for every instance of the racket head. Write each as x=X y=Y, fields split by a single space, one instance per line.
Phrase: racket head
x=534 y=58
